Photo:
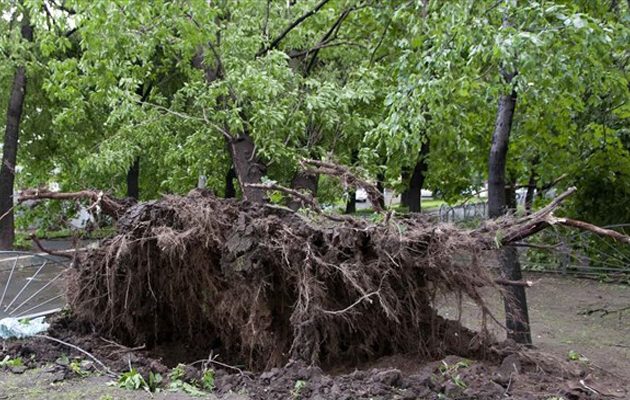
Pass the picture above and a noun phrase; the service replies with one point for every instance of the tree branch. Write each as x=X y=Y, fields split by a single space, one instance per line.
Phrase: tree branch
x=288 y=29
x=585 y=226
x=109 y=205
x=346 y=176
x=328 y=37
x=544 y=218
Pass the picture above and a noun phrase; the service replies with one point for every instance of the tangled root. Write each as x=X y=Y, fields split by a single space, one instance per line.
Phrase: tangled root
x=265 y=285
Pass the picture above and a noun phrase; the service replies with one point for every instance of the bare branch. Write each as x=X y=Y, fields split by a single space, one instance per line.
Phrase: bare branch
x=47 y=251
x=108 y=371
x=304 y=198
x=585 y=226
x=110 y=205
x=544 y=218
x=507 y=282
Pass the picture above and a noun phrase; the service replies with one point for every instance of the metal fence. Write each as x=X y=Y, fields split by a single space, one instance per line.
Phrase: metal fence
x=463 y=212
x=585 y=254
x=30 y=284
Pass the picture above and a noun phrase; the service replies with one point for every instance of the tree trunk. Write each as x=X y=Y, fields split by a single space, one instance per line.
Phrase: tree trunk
x=516 y=313
x=498 y=155
x=230 y=190
x=515 y=303
x=10 y=148
x=351 y=203
x=247 y=167
x=414 y=192
x=133 y=180
x=303 y=180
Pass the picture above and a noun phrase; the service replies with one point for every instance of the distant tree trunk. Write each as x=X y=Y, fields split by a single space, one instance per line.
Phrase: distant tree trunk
x=351 y=203
x=133 y=173
x=516 y=313
x=404 y=178
x=303 y=181
x=133 y=180
x=380 y=185
x=511 y=201
x=230 y=190
x=10 y=148
x=414 y=192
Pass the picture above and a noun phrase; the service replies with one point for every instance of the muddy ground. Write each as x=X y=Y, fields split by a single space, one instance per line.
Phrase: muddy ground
x=563 y=321
x=569 y=314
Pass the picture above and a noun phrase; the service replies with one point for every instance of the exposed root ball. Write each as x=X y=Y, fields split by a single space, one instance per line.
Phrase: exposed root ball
x=264 y=285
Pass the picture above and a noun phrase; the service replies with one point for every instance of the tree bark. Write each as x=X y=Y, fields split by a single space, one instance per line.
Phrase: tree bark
x=516 y=313
x=404 y=177
x=303 y=181
x=414 y=192
x=10 y=148
x=498 y=155
x=133 y=180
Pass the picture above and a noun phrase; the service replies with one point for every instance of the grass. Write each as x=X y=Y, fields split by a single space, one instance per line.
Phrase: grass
x=427 y=205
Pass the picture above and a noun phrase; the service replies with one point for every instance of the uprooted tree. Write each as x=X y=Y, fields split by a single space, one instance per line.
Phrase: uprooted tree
x=262 y=284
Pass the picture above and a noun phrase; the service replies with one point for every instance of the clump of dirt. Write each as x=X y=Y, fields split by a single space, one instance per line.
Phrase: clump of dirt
x=262 y=285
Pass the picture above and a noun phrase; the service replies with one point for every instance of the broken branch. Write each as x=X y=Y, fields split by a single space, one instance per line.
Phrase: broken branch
x=109 y=205
x=348 y=177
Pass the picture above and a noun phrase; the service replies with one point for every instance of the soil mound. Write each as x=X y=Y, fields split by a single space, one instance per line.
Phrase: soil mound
x=262 y=285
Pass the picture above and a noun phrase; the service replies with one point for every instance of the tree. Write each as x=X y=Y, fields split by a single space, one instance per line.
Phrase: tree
x=10 y=143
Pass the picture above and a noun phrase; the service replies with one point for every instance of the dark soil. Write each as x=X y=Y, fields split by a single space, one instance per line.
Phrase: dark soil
x=511 y=373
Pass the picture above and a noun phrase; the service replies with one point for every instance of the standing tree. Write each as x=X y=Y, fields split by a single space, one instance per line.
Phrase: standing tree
x=11 y=140
x=516 y=313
